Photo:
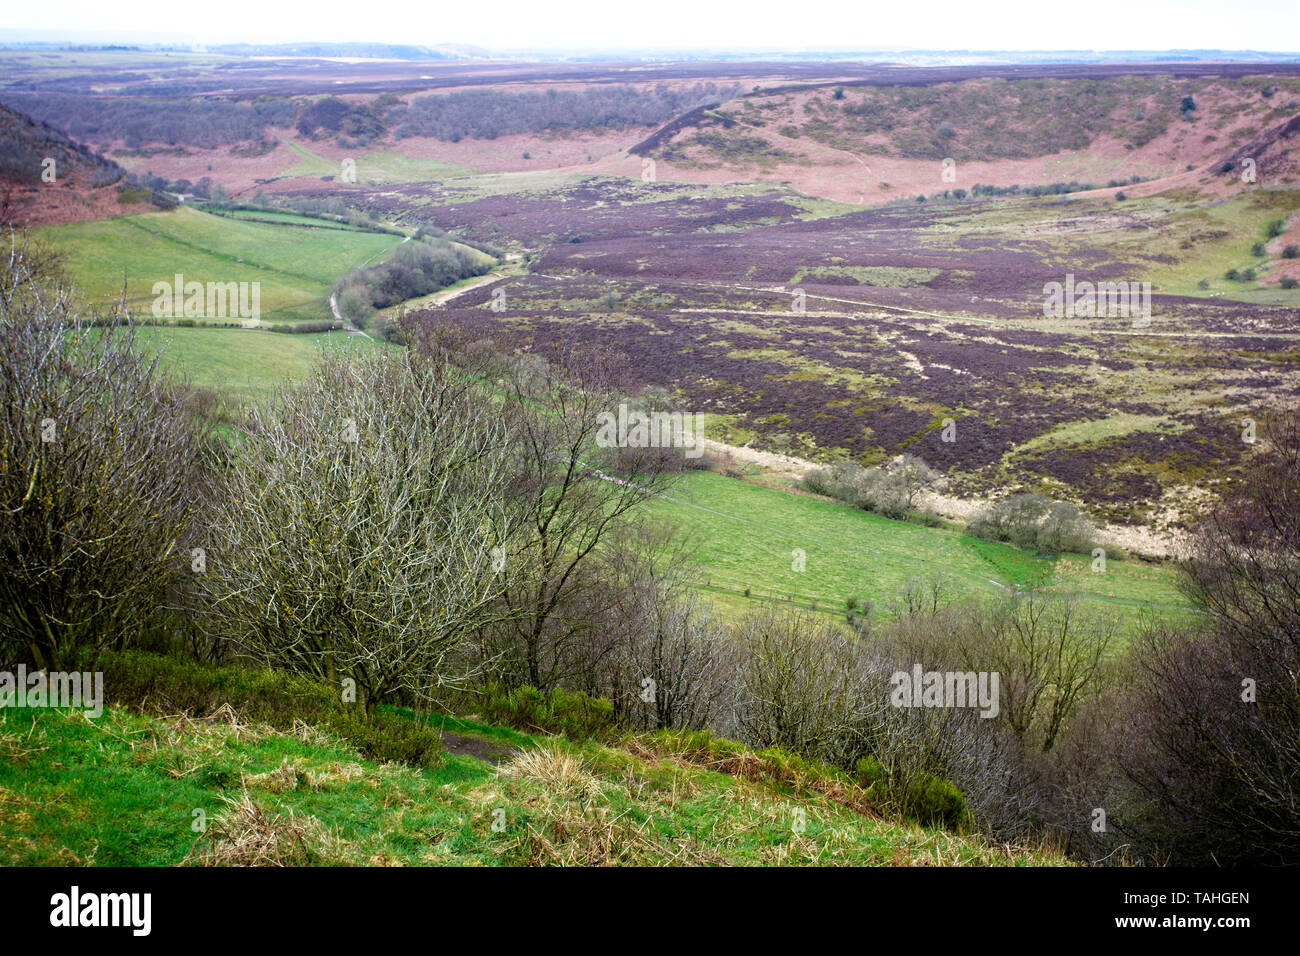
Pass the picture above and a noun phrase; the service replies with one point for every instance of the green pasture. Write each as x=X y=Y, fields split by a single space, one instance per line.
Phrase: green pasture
x=747 y=537
x=295 y=265
x=244 y=364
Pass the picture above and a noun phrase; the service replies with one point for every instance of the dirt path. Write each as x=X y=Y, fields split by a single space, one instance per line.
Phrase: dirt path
x=446 y=295
x=1009 y=324
x=473 y=747
x=348 y=324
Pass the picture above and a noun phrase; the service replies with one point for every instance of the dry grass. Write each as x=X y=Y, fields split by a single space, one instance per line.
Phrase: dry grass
x=749 y=766
x=563 y=774
x=573 y=820
x=290 y=776
x=248 y=834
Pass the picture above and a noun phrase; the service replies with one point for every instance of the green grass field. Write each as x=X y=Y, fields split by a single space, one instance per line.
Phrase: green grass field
x=295 y=264
x=131 y=790
x=244 y=364
x=747 y=537
x=384 y=166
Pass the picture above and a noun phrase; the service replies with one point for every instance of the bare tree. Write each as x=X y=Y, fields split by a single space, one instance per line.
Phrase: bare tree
x=799 y=686
x=1214 y=744
x=569 y=489
x=364 y=526
x=672 y=662
x=99 y=473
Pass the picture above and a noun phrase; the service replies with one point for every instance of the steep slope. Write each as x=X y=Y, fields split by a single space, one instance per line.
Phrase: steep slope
x=871 y=144
x=46 y=177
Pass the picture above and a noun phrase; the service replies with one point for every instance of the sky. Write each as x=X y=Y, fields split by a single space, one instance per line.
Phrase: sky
x=681 y=25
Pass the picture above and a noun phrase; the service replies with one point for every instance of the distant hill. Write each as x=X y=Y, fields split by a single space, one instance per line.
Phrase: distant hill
x=26 y=144
x=866 y=142
x=376 y=51
x=70 y=179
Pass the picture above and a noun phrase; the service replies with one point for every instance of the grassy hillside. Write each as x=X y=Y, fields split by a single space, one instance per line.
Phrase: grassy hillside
x=384 y=166
x=127 y=789
x=746 y=535
x=245 y=364
x=295 y=263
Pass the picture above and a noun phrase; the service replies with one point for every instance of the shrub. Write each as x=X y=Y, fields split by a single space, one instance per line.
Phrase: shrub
x=383 y=736
x=100 y=470
x=891 y=490
x=870 y=774
x=308 y=327
x=662 y=656
x=1216 y=722
x=355 y=541
x=1215 y=773
x=935 y=801
x=1034 y=521
x=572 y=714
x=798 y=687
x=1291 y=252
x=415 y=268
x=926 y=798
x=168 y=684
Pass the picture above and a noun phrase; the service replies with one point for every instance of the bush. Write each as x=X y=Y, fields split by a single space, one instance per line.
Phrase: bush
x=934 y=801
x=100 y=472
x=572 y=714
x=308 y=327
x=662 y=658
x=415 y=268
x=799 y=687
x=168 y=685
x=1291 y=252
x=1290 y=283
x=355 y=539
x=928 y=799
x=1215 y=726
x=1035 y=522
x=384 y=736
x=1216 y=774
x=891 y=490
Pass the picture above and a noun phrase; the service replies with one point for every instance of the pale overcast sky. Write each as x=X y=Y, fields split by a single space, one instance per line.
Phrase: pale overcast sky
x=503 y=25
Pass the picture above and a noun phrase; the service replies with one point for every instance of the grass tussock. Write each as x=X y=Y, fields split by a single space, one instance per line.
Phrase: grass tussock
x=246 y=833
